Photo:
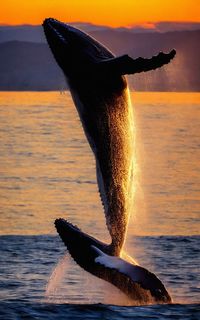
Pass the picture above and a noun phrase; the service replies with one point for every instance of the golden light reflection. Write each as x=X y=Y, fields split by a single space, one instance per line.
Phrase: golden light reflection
x=48 y=171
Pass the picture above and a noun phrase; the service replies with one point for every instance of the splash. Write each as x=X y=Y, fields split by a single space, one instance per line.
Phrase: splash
x=124 y=255
x=69 y=283
x=53 y=287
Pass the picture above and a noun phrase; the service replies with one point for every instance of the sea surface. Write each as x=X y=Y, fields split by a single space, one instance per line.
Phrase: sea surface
x=47 y=171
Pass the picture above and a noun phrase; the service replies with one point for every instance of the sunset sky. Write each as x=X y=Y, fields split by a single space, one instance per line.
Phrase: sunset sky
x=103 y=12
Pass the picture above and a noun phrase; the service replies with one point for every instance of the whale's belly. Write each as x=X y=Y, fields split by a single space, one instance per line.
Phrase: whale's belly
x=109 y=127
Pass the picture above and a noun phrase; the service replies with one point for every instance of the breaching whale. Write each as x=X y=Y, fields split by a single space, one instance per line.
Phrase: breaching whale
x=98 y=86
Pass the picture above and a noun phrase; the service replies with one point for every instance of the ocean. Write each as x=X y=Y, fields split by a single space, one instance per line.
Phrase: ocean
x=48 y=171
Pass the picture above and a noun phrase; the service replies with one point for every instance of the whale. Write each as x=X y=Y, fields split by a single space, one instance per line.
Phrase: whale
x=99 y=89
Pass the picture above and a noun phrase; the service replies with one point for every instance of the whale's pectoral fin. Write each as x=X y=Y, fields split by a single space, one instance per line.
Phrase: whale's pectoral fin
x=127 y=65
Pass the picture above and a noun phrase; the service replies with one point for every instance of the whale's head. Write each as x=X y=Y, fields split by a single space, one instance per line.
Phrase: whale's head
x=72 y=48
x=77 y=54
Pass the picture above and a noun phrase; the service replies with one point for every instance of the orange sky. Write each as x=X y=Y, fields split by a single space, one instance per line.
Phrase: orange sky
x=103 y=12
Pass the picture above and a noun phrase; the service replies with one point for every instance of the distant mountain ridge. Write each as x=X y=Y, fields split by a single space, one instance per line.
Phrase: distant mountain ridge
x=34 y=33
x=30 y=65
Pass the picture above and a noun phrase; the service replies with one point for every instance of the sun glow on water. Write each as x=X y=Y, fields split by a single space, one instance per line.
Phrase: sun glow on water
x=45 y=172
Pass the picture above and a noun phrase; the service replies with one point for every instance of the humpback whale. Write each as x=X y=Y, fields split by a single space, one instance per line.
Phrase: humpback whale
x=96 y=79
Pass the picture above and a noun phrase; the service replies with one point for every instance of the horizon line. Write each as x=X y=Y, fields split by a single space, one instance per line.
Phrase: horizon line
x=145 y=24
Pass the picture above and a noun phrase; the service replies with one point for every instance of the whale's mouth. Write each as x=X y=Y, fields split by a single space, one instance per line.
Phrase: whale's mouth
x=93 y=256
x=62 y=32
x=71 y=47
x=56 y=29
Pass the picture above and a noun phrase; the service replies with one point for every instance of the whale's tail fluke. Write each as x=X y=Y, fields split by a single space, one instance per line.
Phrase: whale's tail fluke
x=92 y=255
